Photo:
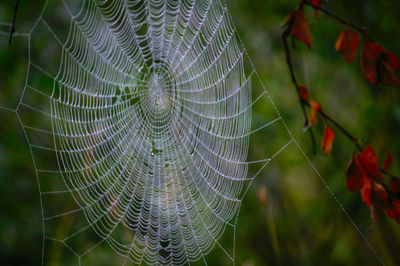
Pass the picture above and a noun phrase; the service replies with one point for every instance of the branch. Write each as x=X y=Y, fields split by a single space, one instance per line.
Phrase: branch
x=341 y=128
x=387 y=173
x=13 y=23
x=340 y=19
x=285 y=35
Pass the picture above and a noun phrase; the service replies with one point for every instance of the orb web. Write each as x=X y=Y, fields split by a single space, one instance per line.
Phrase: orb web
x=139 y=117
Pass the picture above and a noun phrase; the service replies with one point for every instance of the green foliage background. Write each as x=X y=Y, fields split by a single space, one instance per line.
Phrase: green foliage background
x=311 y=227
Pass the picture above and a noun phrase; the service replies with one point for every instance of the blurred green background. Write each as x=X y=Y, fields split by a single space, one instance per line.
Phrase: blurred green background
x=302 y=223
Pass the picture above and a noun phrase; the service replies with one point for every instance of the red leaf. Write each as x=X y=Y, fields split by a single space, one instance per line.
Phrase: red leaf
x=304 y=94
x=395 y=185
x=318 y=4
x=379 y=201
x=373 y=193
x=369 y=162
x=315 y=109
x=374 y=196
x=388 y=161
x=354 y=174
x=363 y=166
x=366 y=191
x=388 y=63
x=369 y=61
x=363 y=173
x=300 y=28
x=348 y=43
x=393 y=60
x=376 y=49
x=327 y=140
x=379 y=65
x=394 y=211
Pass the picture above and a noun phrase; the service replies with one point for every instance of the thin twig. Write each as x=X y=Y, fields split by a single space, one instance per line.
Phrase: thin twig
x=13 y=23
x=354 y=139
x=387 y=173
x=285 y=35
x=341 y=128
x=340 y=19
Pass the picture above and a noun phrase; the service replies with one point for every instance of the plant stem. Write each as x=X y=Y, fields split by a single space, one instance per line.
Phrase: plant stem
x=285 y=35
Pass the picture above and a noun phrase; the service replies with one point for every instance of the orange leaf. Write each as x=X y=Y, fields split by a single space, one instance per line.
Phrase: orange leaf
x=318 y=4
x=304 y=93
x=300 y=28
x=388 y=161
x=327 y=140
x=315 y=109
x=348 y=43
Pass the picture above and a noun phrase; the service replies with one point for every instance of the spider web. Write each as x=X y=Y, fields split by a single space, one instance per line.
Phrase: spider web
x=138 y=116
